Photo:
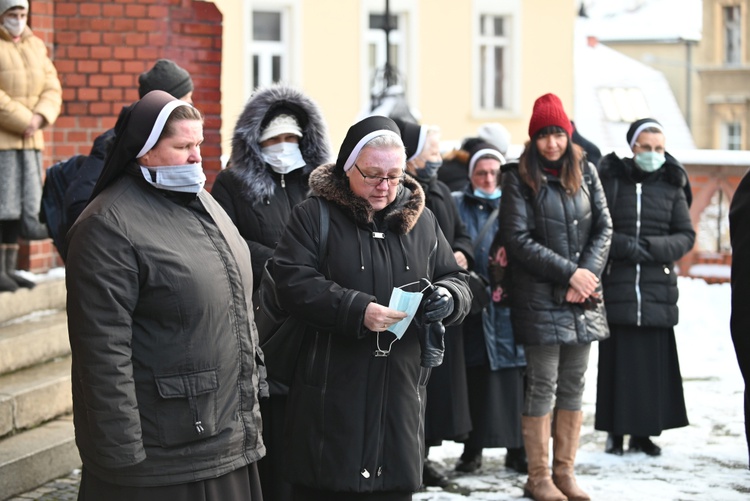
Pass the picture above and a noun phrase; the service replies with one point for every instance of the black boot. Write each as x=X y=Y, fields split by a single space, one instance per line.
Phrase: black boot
x=11 y=264
x=7 y=284
x=643 y=444
x=515 y=459
x=470 y=461
x=614 y=444
x=431 y=477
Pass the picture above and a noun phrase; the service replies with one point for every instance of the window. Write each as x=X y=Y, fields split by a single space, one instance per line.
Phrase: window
x=731 y=136
x=496 y=57
x=493 y=61
x=732 y=34
x=269 y=50
x=621 y=104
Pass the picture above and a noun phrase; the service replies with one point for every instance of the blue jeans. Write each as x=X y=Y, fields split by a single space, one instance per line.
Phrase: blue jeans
x=555 y=371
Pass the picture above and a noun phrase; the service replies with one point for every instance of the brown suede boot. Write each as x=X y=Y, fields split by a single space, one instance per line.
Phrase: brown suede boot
x=567 y=431
x=539 y=486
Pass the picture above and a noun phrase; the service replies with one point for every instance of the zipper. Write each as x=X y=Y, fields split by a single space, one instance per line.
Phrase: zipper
x=638 y=208
x=283 y=181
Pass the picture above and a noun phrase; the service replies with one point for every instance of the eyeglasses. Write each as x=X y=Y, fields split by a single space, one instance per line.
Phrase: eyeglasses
x=646 y=147
x=483 y=173
x=376 y=180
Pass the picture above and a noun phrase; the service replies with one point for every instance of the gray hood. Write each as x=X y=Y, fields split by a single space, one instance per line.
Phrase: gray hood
x=246 y=162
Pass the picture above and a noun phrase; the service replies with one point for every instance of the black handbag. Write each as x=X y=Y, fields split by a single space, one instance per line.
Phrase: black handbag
x=280 y=334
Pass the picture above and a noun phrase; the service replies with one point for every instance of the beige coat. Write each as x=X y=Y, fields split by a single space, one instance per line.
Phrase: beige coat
x=28 y=85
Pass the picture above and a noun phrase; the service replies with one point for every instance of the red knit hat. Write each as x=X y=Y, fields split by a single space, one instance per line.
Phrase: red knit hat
x=548 y=110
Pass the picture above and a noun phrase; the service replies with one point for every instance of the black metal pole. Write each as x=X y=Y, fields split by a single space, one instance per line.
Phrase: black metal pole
x=388 y=74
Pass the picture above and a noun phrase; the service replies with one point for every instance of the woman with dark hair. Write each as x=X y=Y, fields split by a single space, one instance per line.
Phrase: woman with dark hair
x=166 y=378
x=556 y=230
x=639 y=390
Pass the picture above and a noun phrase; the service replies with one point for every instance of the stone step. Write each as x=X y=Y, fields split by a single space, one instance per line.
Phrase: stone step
x=47 y=295
x=35 y=395
x=34 y=457
x=32 y=340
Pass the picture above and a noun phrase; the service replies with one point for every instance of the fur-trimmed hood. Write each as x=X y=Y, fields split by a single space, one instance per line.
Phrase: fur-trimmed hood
x=400 y=216
x=247 y=164
x=612 y=166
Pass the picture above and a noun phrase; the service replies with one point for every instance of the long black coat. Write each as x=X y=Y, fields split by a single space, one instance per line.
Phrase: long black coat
x=652 y=208
x=547 y=237
x=355 y=420
x=447 y=415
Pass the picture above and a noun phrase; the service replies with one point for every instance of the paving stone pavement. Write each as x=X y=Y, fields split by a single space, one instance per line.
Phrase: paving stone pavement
x=60 y=489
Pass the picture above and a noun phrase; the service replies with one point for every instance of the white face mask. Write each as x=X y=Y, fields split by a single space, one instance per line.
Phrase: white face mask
x=14 y=25
x=283 y=157
x=183 y=178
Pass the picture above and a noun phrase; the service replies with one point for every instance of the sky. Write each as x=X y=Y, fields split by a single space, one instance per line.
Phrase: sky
x=707 y=460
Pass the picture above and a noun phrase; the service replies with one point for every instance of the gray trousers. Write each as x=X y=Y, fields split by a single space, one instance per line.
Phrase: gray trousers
x=555 y=371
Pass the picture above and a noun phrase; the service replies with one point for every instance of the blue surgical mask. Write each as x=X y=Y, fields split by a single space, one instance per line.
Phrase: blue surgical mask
x=488 y=196
x=188 y=178
x=649 y=161
x=429 y=170
x=283 y=157
x=408 y=302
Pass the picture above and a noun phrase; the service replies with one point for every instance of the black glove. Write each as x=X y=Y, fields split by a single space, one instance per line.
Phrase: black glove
x=437 y=305
x=640 y=253
x=432 y=342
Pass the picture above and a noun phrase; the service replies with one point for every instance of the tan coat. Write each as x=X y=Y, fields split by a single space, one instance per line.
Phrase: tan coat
x=28 y=85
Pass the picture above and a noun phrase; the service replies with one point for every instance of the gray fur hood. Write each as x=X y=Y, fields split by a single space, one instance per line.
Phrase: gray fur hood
x=246 y=162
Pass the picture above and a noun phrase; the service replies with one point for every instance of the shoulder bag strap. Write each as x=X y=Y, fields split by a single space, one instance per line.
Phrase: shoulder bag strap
x=487 y=225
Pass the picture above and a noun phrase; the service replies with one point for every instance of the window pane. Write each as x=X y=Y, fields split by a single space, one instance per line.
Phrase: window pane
x=377 y=21
x=498 y=26
x=499 y=76
x=256 y=72
x=483 y=77
x=732 y=34
x=266 y=26
x=276 y=68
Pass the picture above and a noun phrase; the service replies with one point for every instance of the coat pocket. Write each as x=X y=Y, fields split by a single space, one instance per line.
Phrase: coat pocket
x=186 y=411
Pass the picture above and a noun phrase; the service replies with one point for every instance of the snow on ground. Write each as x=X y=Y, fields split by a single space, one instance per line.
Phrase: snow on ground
x=707 y=460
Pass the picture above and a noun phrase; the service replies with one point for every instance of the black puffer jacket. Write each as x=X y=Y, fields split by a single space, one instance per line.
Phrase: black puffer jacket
x=356 y=420
x=650 y=209
x=257 y=199
x=547 y=237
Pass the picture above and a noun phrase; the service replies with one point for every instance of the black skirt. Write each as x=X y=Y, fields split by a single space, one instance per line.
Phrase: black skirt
x=242 y=484
x=496 y=403
x=271 y=467
x=639 y=385
x=447 y=413
x=300 y=493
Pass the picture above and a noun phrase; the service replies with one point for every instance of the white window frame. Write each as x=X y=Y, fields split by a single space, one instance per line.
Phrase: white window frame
x=510 y=10
x=731 y=139
x=288 y=47
x=732 y=35
x=404 y=39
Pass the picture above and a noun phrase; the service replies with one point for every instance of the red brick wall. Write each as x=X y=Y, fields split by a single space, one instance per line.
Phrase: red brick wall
x=100 y=47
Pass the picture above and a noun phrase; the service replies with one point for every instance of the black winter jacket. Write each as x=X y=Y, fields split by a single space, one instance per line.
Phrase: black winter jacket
x=356 y=420
x=257 y=199
x=547 y=237
x=648 y=211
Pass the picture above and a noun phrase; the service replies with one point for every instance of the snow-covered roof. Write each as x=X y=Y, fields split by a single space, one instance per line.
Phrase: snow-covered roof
x=645 y=20
x=613 y=90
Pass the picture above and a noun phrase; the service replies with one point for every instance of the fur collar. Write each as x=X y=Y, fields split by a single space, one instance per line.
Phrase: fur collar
x=400 y=216
x=612 y=166
x=255 y=177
